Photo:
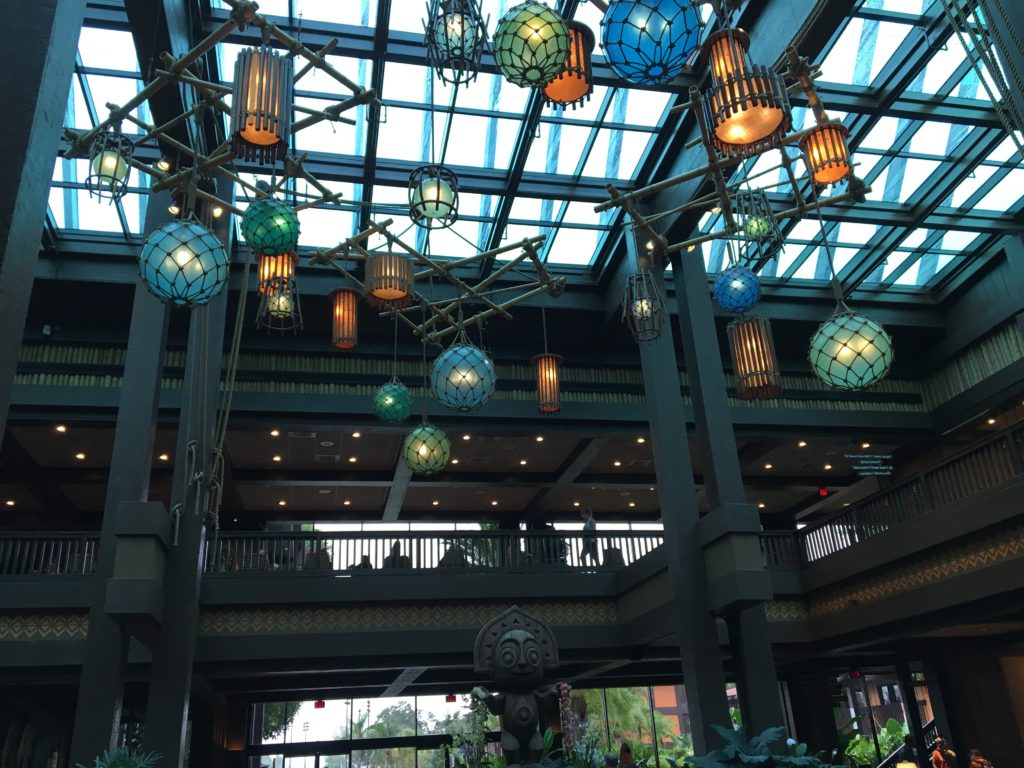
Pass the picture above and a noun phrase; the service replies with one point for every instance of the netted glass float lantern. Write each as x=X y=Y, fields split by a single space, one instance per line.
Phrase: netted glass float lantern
x=648 y=42
x=575 y=82
x=388 y=279
x=275 y=265
x=183 y=263
x=642 y=307
x=433 y=196
x=759 y=233
x=270 y=226
x=344 y=318
x=746 y=108
x=463 y=376
x=531 y=44
x=737 y=289
x=279 y=308
x=826 y=153
x=549 y=396
x=850 y=352
x=455 y=36
x=426 y=449
x=753 y=358
x=110 y=159
x=392 y=402
x=261 y=105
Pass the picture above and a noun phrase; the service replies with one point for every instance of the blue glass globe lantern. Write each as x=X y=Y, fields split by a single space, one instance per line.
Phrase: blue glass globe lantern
x=183 y=263
x=270 y=227
x=648 y=42
x=426 y=449
x=463 y=376
x=850 y=351
x=392 y=402
x=737 y=289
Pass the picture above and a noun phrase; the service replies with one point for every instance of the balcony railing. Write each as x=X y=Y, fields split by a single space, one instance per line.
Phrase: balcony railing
x=48 y=554
x=427 y=550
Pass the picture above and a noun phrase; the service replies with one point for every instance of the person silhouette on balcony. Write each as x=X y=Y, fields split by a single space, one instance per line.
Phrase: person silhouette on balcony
x=363 y=565
x=589 y=537
x=396 y=559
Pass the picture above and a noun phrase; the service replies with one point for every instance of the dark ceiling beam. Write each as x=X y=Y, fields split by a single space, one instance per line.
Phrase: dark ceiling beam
x=581 y=457
x=397 y=489
x=907 y=105
x=380 y=41
x=404 y=680
x=18 y=467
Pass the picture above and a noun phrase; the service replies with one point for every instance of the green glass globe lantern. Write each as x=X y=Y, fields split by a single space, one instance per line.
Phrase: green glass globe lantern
x=850 y=351
x=757 y=228
x=392 y=402
x=426 y=449
x=531 y=45
x=183 y=263
x=270 y=227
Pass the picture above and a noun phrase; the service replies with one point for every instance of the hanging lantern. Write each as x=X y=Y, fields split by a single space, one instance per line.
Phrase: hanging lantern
x=549 y=396
x=753 y=358
x=274 y=266
x=261 y=105
x=433 y=197
x=825 y=151
x=746 y=109
x=183 y=263
x=279 y=308
x=110 y=159
x=392 y=402
x=737 y=289
x=463 y=376
x=389 y=279
x=345 y=326
x=648 y=42
x=643 y=309
x=575 y=82
x=850 y=351
x=531 y=44
x=426 y=449
x=455 y=36
x=270 y=226
x=759 y=233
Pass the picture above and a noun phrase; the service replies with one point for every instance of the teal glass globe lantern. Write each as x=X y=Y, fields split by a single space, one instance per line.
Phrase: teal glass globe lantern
x=648 y=42
x=270 y=227
x=737 y=289
x=392 y=402
x=183 y=263
x=426 y=449
x=455 y=35
x=531 y=45
x=463 y=377
x=850 y=351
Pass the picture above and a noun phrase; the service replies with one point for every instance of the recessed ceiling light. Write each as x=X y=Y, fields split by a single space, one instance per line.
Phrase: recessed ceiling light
x=641 y=440
x=761 y=505
x=540 y=438
x=494 y=503
x=617 y=463
x=802 y=444
x=352 y=459
x=347 y=503
x=282 y=503
x=9 y=502
x=575 y=503
x=767 y=466
x=277 y=458
x=828 y=467
x=846 y=503
x=991 y=422
x=651 y=488
x=522 y=462
x=326 y=443
x=357 y=434
x=275 y=432
x=865 y=445
x=164 y=457
x=465 y=437
x=235 y=519
x=435 y=502
x=324 y=491
x=80 y=456
x=61 y=427
x=632 y=503
x=455 y=461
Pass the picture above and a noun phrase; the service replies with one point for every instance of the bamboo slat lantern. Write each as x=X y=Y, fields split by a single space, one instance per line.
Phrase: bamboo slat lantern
x=753 y=358
x=345 y=326
x=261 y=105
x=549 y=395
x=273 y=266
x=389 y=279
x=826 y=153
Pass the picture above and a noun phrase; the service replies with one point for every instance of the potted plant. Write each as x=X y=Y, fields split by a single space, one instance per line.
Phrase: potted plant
x=764 y=751
x=123 y=757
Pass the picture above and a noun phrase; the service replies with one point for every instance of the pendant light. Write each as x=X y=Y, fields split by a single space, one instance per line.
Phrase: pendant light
x=736 y=289
x=455 y=35
x=433 y=197
x=388 y=280
x=826 y=153
x=753 y=358
x=531 y=44
x=345 y=318
x=463 y=376
x=183 y=263
x=850 y=351
x=549 y=368
x=261 y=105
x=270 y=226
x=642 y=307
x=426 y=449
x=648 y=42
x=274 y=266
x=279 y=308
x=575 y=82
x=110 y=157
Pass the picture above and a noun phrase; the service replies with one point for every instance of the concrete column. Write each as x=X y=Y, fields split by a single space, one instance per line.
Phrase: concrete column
x=42 y=54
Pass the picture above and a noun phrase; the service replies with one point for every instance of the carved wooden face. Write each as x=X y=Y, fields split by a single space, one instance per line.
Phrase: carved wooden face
x=518 y=659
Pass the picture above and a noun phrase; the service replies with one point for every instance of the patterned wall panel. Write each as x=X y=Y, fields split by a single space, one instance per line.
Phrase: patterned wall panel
x=43 y=626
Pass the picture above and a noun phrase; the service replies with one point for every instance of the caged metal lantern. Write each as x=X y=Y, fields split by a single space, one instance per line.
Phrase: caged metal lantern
x=850 y=351
x=531 y=44
x=270 y=226
x=753 y=358
x=826 y=153
x=183 y=263
x=276 y=265
x=433 y=197
x=426 y=449
x=261 y=105
x=648 y=42
x=642 y=307
x=344 y=318
x=463 y=376
x=746 y=108
x=455 y=35
x=736 y=289
x=388 y=280
x=279 y=308
x=549 y=370
x=392 y=402
x=110 y=158
x=575 y=82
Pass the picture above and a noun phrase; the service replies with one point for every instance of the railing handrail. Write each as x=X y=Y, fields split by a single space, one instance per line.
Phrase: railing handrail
x=49 y=534
x=442 y=534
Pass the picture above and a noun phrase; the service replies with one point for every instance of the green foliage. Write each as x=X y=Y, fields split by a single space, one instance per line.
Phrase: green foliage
x=277 y=716
x=123 y=757
x=762 y=751
x=860 y=749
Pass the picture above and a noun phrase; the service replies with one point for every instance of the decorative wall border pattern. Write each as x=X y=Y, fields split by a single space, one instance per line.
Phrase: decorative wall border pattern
x=45 y=626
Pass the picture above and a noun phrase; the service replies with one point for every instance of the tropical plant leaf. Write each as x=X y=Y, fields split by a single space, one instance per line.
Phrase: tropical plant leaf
x=768 y=736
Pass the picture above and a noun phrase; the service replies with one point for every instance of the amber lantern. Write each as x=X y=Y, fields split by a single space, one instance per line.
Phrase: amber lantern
x=345 y=328
x=273 y=267
x=753 y=358
x=389 y=280
x=549 y=395
x=824 y=148
x=575 y=82
x=746 y=109
x=261 y=105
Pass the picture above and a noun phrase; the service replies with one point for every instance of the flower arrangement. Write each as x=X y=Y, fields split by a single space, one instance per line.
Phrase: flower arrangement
x=470 y=740
x=570 y=721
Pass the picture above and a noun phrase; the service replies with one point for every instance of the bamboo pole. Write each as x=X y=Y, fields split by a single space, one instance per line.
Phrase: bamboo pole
x=487 y=313
x=331 y=45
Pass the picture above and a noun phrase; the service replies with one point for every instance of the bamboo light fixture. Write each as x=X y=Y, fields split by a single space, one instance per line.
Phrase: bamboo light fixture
x=753 y=358
x=261 y=105
x=345 y=318
x=273 y=266
x=389 y=278
x=549 y=394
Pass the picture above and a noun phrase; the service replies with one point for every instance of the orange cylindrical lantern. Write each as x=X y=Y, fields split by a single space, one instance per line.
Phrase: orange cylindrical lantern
x=824 y=148
x=345 y=326
x=549 y=394
x=388 y=279
x=272 y=267
x=753 y=358
x=575 y=82
x=261 y=106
